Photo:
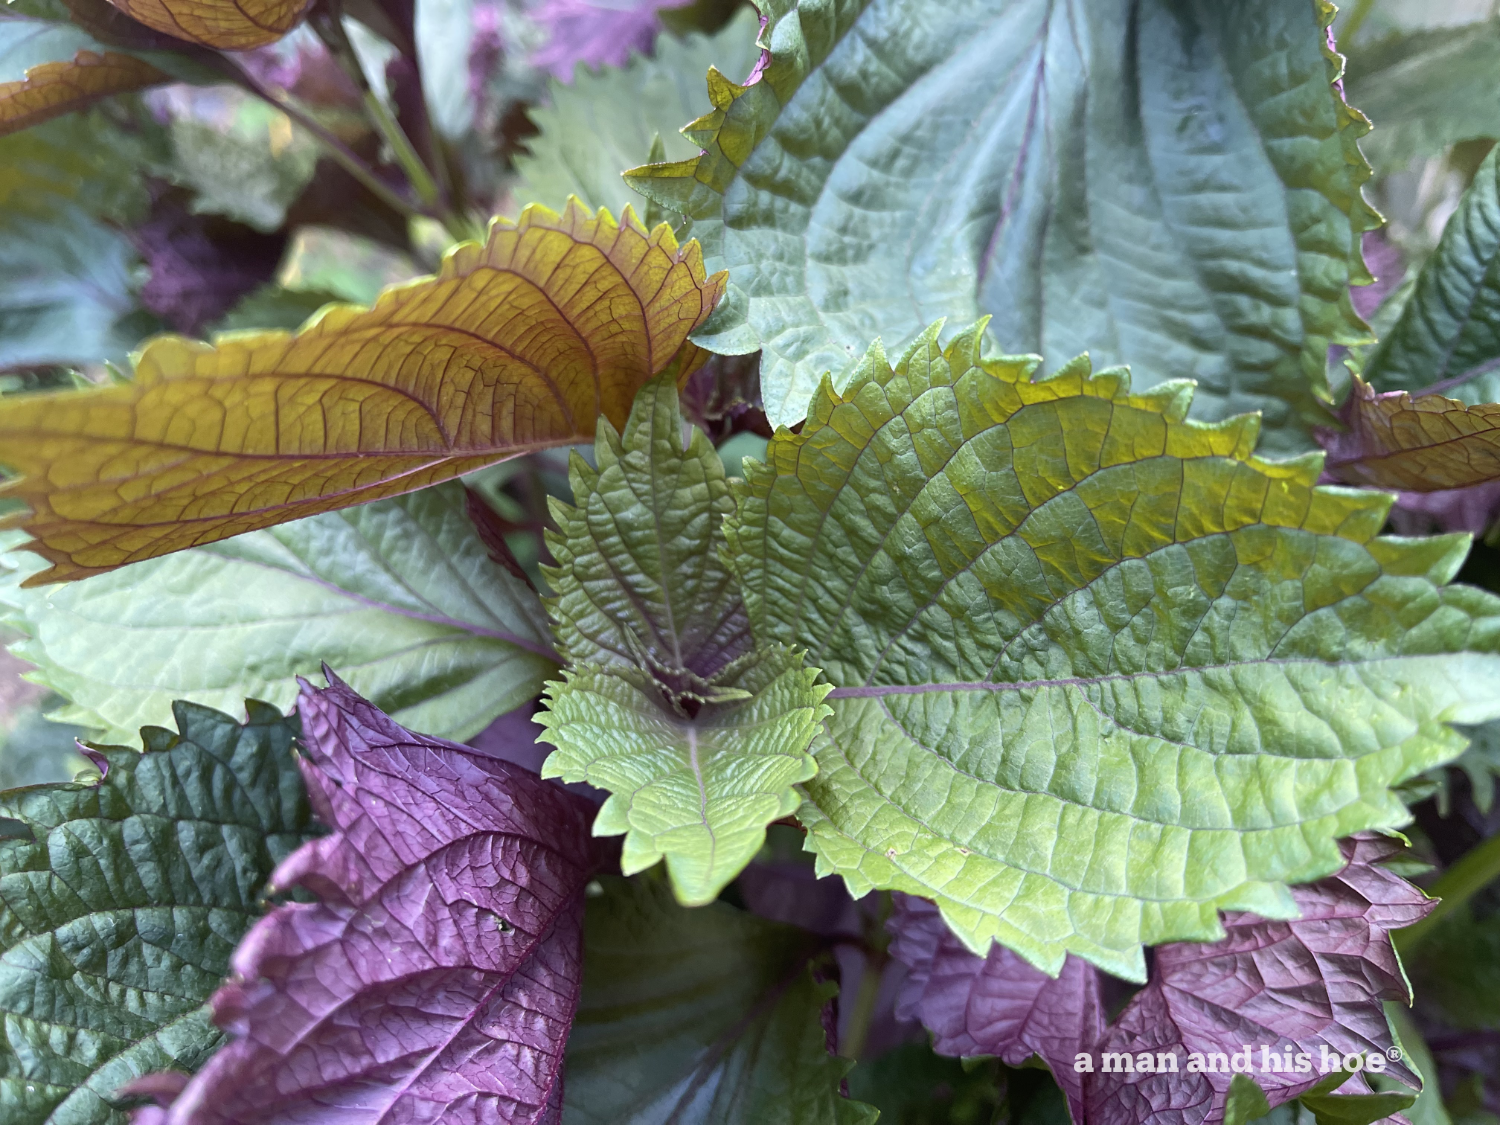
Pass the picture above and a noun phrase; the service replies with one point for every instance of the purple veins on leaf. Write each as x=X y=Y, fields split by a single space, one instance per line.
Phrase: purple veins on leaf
x=1312 y=986
x=438 y=975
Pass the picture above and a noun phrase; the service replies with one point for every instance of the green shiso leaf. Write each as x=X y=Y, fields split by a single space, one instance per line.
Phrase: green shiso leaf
x=401 y=595
x=1450 y=325
x=1175 y=186
x=1099 y=672
x=605 y=121
x=699 y=740
x=122 y=899
x=699 y=1017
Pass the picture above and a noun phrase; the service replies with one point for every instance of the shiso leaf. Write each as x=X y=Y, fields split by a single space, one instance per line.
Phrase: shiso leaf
x=1449 y=329
x=437 y=975
x=401 y=592
x=121 y=900
x=516 y=344
x=1170 y=185
x=225 y=25
x=699 y=740
x=1099 y=672
x=700 y=1017
x=1413 y=443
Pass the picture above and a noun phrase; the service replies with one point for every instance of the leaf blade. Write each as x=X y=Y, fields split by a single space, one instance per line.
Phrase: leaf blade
x=441 y=377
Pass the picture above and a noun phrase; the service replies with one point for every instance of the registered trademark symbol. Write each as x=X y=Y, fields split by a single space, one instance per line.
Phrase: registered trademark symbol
x=1393 y=1053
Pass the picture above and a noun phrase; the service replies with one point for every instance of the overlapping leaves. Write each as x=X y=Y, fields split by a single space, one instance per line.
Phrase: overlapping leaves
x=1171 y=185
x=121 y=901
x=439 y=972
x=1099 y=672
x=1314 y=985
x=516 y=344
x=699 y=740
x=402 y=593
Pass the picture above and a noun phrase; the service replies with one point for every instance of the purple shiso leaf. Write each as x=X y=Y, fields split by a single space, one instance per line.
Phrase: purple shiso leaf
x=595 y=32
x=437 y=977
x=1292 y=987
x=996 y=1005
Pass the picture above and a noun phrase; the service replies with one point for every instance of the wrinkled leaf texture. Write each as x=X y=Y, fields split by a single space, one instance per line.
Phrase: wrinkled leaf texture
x=699 y=740
x=225 y=25
x=401 y=593
x=121 y=901
x=1292 y=986
x=1170 y=185
x=1421 y=443
x=437 y=976
x=1099 y=672
x=516 y=344
x=709 y=1016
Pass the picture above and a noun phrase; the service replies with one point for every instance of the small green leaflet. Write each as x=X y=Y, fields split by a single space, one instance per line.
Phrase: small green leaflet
x=1173 y=185
x=605 y=121
x=401 y=595
x=121 y=901
x=1099 y=672
x=699 y=1017
x=699 y=740
x=1450 y=325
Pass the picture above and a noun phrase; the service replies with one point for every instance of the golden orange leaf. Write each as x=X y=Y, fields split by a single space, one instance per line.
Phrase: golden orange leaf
x=55 y=88
x=226 y=25
x=515 y=345
x=1422 y=444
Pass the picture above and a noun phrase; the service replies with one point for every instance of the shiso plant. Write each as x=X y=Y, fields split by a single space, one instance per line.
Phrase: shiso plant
x=943 y=589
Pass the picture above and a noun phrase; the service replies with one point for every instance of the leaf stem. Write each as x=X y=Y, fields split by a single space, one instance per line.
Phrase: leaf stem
x=345 y=156
x=1356 y=18
x=863 y=1012
x=1456 y=886
x=329 y=28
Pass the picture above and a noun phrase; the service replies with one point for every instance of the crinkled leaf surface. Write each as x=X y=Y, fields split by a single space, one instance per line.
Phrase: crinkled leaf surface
x=402 y=593
x=699 y=740
x=699 y=1017
x=1415 y=444
x=997 y=1004
x=1425 y=90
x=436 y=977
x=516 y=344
x=1099 y=672
x=595 y=33
x=1451 y=323
x=605 y=122
x=121 y=902
x=1289 y=986
x=226 y=25
x=1172 y=185
x=48 y=69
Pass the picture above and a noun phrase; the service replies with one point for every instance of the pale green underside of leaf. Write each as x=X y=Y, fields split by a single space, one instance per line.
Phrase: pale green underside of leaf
x=1426 y=90
x=699 y=792
x=1184 y=199
x=605 y=121
x=399 y=597
x=698 y=1017
x=699 y=741
x=1451 y=322
x=1099 y=673
x=118 y=921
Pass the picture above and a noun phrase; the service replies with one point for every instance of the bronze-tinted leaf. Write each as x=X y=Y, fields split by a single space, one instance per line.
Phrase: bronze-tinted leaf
x=226 y=25
x=55 y=88
x=1424 y=444
x=516 y=344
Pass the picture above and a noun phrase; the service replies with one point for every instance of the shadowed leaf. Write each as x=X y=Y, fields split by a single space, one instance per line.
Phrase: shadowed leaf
x=55 y=88
x=1099 y=672
x=516 y=344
